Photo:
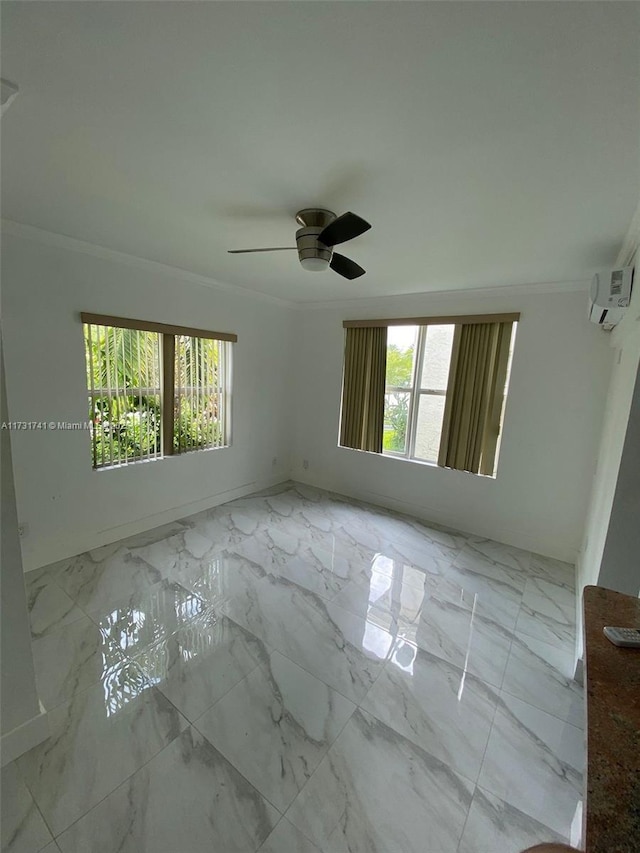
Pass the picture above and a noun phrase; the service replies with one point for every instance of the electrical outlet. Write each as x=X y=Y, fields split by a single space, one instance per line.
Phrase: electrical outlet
x=305 y=464
x=274 y=461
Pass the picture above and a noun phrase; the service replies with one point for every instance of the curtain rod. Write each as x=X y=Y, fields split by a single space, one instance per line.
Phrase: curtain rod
x=452 y=319
x=162 y=328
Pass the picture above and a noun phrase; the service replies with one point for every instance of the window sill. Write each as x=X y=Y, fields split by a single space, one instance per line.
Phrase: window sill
x=134 y=463
x=421 y=462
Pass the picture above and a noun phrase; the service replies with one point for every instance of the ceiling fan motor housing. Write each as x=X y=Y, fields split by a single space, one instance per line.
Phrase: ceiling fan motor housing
x=314 y=256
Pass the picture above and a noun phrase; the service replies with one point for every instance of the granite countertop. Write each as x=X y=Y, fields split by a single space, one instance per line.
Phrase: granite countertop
x=612 y=680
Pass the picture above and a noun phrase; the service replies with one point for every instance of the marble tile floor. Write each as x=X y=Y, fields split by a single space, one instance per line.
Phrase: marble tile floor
x=297 y=672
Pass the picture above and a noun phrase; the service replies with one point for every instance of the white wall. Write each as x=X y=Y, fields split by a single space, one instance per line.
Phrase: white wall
x=69 y=507
x=22 y=723
x=620 y=567
x=625 y=346
x=617 y=409
x=553 y=419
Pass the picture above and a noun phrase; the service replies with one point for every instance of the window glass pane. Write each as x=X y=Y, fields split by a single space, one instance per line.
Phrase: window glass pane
x=437 y=358
x=396 y=412
x=200 y=394
x=125 y=407
x=429 y=426
x=401 y=346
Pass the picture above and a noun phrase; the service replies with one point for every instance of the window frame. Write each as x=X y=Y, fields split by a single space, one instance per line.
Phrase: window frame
x=167 y=338
x=415 y=391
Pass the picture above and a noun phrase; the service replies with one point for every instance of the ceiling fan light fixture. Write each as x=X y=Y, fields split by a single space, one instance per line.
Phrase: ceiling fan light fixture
x=313 y=256
x=314 y=264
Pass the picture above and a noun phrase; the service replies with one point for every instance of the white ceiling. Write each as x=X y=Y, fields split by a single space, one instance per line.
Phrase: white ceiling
x=487 y=143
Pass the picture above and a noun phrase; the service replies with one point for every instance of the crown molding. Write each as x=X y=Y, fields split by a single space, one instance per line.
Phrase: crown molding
x=506 y=290
x=62 y=241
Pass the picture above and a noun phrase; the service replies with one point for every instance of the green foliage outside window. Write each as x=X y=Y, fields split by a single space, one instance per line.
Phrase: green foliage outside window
x=194 y=430
x=198 y=416
x=399 y=366
x=125 y=409
x=396 y=410
x=126 y=413
x=127 y=428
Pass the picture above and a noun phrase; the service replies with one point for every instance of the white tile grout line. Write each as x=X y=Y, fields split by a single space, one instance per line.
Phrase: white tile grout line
x=152 y=689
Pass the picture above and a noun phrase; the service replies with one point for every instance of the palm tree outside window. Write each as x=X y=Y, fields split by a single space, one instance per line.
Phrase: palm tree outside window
x=155 y=390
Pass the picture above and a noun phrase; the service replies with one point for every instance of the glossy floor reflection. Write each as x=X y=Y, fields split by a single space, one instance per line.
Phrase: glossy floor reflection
x=296 y=671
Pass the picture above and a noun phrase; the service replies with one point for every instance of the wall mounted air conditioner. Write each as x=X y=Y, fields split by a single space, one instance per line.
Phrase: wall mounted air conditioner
x=610 y=295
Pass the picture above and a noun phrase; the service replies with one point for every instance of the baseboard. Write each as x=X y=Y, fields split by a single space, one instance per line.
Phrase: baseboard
x=24 y=737
x=517 y=539
x=52 y=552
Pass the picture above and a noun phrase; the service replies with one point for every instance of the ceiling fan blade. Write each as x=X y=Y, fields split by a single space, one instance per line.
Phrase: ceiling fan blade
x=346 y=267
x=344 y=228
x=274 y=249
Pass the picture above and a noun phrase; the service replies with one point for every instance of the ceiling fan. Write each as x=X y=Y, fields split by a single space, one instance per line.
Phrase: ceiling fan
x=320 y=231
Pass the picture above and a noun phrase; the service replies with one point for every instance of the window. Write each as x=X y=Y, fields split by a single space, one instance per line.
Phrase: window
x=200 y=399
x=442 y=395
x=418 y=359
x=155 y=390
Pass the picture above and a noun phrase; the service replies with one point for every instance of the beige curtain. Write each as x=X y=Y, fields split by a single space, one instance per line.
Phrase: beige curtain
x=365 y=365
x=475 y=396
